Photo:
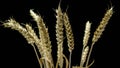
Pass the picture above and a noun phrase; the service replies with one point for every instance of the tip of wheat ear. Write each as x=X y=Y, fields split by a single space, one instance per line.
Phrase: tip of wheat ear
x=87 y=33
x=34 y=15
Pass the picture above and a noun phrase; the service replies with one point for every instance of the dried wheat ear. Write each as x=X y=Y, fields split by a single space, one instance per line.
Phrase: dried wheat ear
x=43 y=43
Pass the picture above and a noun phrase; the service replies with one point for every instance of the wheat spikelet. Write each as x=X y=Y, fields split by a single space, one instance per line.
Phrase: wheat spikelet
x=31 y=31
x=69 y=33
x=59 y=36
x=84 y=55
x=86 y=34
x=101 y=27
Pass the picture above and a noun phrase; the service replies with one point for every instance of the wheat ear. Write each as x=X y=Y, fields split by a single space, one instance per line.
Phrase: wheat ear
x=86 y=34
x=85 y=42
x=16 y=26
x=69 y=34
x=37 y=42
x=28 y=33
x=44 y=38
x=100 y=29
x=59 y=36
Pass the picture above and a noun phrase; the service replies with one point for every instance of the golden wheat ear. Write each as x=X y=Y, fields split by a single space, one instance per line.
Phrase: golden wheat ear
x=11 y=23
x=86 y=34
x=69 y=34
x=44 y=39
x=59 y=36
x=85 y=42
x=28 y=33
x=100 y=29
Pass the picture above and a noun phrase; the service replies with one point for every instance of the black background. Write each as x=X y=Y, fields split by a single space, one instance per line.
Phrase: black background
x=16 y=52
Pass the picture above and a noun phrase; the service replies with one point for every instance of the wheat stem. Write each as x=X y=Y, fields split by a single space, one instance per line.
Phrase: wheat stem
x=36 y=55
x=70 y=59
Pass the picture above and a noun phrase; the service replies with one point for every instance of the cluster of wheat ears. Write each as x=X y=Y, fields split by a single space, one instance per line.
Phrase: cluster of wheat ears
x=43 y=42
